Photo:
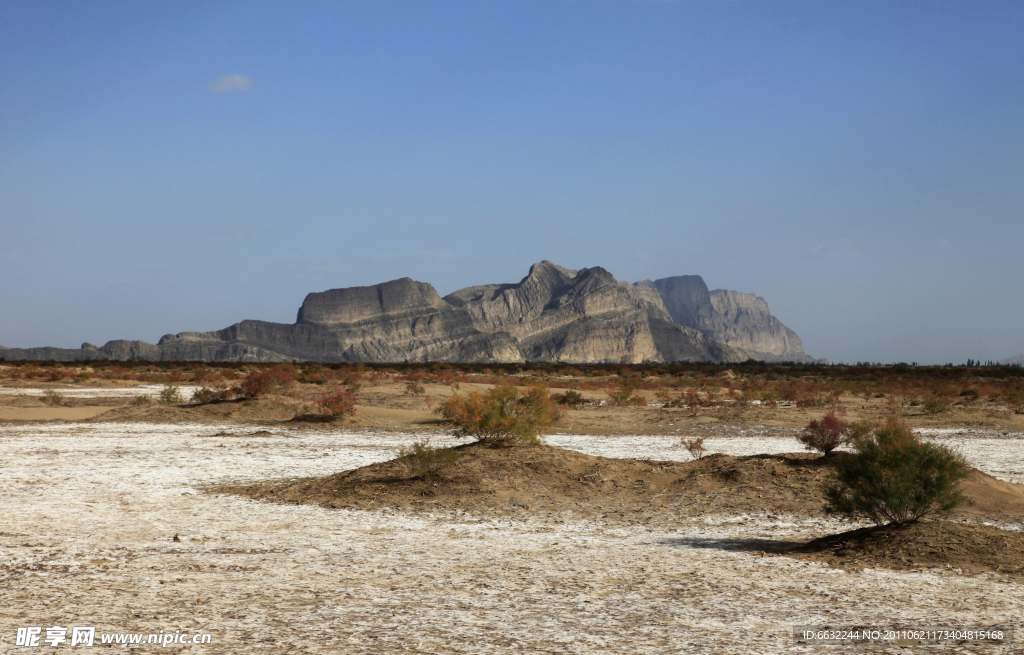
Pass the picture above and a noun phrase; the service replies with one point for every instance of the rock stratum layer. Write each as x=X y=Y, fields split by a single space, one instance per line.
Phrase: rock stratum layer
x=553 y=315
x=741 y=320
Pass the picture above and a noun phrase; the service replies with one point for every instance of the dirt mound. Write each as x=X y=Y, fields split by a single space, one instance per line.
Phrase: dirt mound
x=488 y=478
x=269 y=408
x=545 y=477
x=926 y=544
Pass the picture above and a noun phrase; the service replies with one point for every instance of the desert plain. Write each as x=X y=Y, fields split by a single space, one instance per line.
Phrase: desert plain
x=277 y=535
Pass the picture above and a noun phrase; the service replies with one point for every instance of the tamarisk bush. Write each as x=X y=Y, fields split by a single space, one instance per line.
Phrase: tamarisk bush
x=825 y=435
x=426 y=461
x=336 y=402
x=895 y=477
x=502 y=416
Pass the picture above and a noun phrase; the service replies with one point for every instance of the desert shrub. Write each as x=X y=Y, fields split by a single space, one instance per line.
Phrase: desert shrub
x=352 y=380
x=623 y=395
x=693 y=399
x=936 y=405
x=209 y=395
x=573 y=399
x=204 y=375
x=825 y=435
x=336 y=402
x=53 y=398
x=314 y=378
x=414 y=388
x=313 y=374
x=171 y=395
x=502 y=416
x=82 y=376
x=426 y=461
x=1015 y=399
x=694 y=446
x=895 y=477
x=968 y=396
x=261 y=381
x=140 y=401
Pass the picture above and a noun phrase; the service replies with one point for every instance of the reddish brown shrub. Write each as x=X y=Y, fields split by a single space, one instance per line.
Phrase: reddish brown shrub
x=825 y=435
x=261 y=381
x=336 y=402
x=694 y=446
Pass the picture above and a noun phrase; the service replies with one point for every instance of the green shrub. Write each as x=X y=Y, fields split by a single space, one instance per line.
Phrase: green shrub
x=171 y=395
x=503 y=415
x=53 y=398
x=895 y=477
x=573 y=399
x=142 y=401
x=425 y=461
x=936 y=405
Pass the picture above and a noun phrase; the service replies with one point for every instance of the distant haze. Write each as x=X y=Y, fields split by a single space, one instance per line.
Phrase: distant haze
x=179 y=166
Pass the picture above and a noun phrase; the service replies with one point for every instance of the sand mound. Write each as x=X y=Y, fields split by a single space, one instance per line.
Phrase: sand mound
x=926 y=544
x=269 y=408
x=487 y=478
x=546 y=477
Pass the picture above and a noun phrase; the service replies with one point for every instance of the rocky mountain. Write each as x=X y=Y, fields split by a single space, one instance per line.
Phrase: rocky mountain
x=1016 y=360
x=552 y=315
x=741 y=320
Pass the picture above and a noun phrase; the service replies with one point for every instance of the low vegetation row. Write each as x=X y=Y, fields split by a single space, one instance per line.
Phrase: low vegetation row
x=930 y=390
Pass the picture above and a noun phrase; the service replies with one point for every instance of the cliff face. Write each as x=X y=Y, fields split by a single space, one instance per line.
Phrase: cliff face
x=742 y=320
x=553 y=314
x=556 y=314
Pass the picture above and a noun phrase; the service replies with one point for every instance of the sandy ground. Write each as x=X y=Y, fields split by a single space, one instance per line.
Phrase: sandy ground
x=50 y=413
x=90 y=512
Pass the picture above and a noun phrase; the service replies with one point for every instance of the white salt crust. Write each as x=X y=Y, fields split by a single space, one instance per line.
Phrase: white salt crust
x=90 y=511
x=100 y=392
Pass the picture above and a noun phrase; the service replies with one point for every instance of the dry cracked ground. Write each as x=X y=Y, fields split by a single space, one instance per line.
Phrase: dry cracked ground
x=118 y=526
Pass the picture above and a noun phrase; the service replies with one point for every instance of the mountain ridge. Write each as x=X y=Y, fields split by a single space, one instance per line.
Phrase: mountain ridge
x=553 y=314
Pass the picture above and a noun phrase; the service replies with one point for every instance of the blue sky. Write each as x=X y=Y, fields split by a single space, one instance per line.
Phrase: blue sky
x=185 y=165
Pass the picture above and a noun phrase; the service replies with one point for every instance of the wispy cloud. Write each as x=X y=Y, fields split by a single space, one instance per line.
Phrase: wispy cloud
x=845 y=249
x=227 y=83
